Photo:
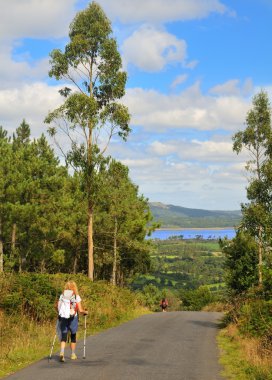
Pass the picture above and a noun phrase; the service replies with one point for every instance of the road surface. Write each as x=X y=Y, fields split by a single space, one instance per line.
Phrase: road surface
x=168 y=346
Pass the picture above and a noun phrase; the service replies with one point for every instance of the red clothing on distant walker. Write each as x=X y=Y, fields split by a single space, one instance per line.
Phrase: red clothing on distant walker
x=164 y=303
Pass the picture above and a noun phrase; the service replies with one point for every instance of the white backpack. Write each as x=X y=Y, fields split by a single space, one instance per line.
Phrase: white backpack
x=67 y=305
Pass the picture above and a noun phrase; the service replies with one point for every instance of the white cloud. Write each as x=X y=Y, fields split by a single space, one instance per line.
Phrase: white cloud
x=178 y=80
x=163 y=149
x=151 y=49
x=233 y=87
x=36 y=18
x=191 y=64
x=189 y=184
x=30 y=101
x=155 y=111
x=155 y=11
x=13 y=73
x=228 y=88
x=140 y=163
x=247 y=87
x=191 y=173
x=206 y=152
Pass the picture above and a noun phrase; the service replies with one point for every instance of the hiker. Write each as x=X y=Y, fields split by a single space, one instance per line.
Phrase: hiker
x=69 y=305
x=164 y=304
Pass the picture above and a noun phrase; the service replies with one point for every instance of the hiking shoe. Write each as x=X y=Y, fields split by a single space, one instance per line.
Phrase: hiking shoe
x=73 y=357
x=61 y=358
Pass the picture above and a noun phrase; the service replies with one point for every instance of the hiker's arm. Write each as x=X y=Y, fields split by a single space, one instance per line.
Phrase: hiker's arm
x=81 y=310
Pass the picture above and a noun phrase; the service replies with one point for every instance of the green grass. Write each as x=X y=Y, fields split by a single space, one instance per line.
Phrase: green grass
x=236 y=366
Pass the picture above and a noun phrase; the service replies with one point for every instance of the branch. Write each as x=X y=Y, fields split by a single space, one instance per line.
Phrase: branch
x=75 y=83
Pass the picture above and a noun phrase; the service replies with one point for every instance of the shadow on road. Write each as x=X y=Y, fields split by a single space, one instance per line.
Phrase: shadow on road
x=54 y=363
x=213 y=325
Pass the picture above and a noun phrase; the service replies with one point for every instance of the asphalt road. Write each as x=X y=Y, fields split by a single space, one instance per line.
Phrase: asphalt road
x=168 y=346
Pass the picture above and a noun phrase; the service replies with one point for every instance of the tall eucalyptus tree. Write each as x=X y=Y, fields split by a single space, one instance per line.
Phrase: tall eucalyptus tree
x=92 y=65
x=257 y=140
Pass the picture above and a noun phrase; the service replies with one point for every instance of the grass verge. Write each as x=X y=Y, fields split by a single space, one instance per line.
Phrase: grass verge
x=241 y=357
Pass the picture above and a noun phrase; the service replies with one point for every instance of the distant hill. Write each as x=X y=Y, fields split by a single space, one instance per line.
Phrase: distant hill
x=171 y=216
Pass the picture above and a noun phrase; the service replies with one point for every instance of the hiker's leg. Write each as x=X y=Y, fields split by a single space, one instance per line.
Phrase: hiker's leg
x=64 y=332
x=63 y=341
x=73 y=342
x=73 y=329
x=62 y=346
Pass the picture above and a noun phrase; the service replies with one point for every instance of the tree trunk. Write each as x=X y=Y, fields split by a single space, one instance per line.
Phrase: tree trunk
x=13 y=237
x=42 y=266
x=75 y=264
x=90 y=243
x=1 y=250
x=260 y=256
x=114 y=267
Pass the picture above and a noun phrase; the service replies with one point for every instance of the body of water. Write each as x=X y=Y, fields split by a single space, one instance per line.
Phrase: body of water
x=194 y=233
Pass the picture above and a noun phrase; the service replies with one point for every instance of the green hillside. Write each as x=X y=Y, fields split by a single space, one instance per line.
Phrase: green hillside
x=177 y=216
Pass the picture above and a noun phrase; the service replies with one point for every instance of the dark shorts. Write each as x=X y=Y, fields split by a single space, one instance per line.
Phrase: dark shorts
x=69 y=324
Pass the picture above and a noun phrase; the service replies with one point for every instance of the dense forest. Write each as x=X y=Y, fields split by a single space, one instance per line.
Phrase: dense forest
x=43 y=217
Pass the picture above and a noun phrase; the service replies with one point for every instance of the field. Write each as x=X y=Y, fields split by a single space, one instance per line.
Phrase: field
x=185 y=264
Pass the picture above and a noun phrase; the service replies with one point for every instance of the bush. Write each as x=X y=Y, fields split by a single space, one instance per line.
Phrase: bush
x=256 y=318
x=151 y=296
x=30 y=294
x=196 y=299
x=35 y=296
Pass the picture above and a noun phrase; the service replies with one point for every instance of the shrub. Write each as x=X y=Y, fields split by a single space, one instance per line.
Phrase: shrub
x=256 y=318
x=35 y=296
x=196 y=299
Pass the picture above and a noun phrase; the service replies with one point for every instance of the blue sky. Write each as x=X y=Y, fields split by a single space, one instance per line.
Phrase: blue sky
x=193 y=67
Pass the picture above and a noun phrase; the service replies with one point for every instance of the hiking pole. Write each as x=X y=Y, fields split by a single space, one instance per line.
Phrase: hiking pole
x=84 y=345
x=52 y=347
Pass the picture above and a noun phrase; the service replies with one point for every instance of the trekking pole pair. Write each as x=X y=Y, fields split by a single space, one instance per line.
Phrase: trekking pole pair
x=84 y=342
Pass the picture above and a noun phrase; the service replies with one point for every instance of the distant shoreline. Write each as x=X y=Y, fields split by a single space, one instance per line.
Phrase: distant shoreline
x=192 y=228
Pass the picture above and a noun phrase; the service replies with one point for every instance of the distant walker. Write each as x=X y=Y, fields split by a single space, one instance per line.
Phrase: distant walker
x=164 y=304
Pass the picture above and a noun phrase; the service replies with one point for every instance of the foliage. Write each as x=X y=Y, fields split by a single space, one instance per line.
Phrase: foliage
x=151 y=297
x=255 y=318
x=35 y=296
x=256 y=139
x=196 y=299
x=43 y=219
x=184 y=264
x=121 y=225
x=188 y=272
x=241 y=262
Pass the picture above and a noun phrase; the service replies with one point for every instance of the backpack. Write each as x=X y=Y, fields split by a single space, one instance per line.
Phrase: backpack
x=67 y=306
x=164 y=302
